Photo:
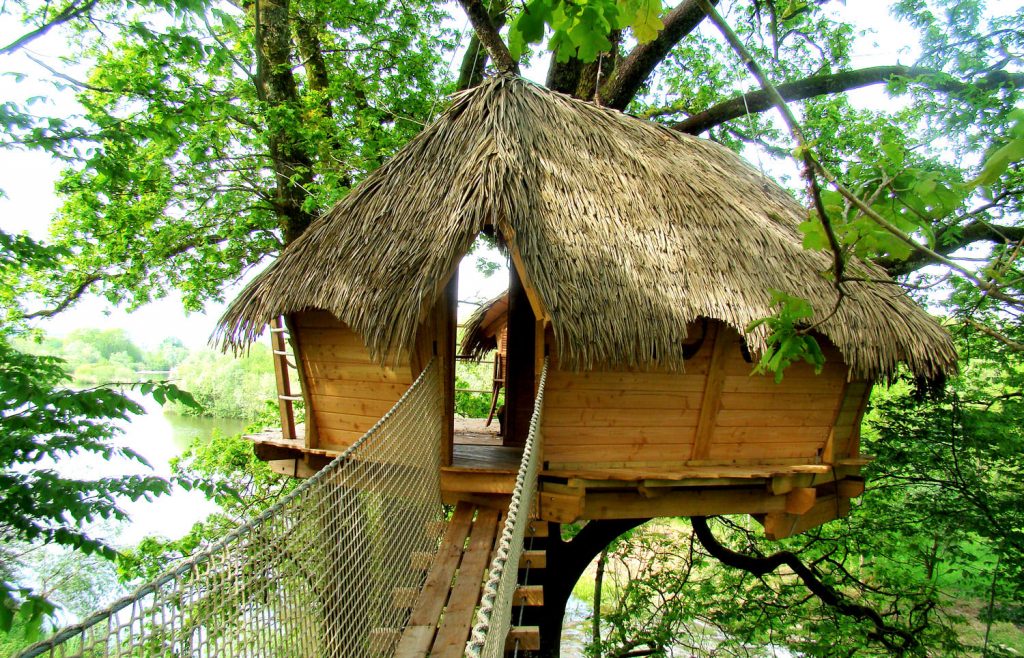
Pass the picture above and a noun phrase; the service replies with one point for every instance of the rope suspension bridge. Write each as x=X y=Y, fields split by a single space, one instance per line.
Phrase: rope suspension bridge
x=358 y=561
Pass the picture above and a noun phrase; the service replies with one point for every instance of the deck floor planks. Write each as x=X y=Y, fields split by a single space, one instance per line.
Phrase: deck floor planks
x=458 y=615
x=419 y=632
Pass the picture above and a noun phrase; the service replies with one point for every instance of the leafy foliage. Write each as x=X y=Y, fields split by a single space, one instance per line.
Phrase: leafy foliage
x=581 y=29
x=789 y=340
x=44 y=425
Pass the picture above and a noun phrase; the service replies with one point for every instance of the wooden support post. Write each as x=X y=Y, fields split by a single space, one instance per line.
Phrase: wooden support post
x=519 y=385
x=712 y=392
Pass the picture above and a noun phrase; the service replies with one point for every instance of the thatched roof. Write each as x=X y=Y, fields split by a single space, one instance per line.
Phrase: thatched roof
x=627 y=230
x=480 y=333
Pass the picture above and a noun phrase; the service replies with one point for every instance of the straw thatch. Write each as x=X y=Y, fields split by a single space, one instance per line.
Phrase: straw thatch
x=480 y=333
x=627 y=230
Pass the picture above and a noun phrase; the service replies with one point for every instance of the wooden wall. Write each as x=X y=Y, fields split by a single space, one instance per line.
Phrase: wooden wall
x=347 y=391
x=715 y=412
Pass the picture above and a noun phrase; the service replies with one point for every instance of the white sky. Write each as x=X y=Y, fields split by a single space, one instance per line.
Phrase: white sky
x=28 y=178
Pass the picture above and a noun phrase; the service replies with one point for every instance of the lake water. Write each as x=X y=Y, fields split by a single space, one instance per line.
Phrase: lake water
x=158 y=437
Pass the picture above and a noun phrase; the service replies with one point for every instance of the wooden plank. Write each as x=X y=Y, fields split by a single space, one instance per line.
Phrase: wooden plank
x=420 y=560
x=354 y=388
x=766 y=384
x=779 y=417
x=458 y=615
x=536 y=303
x=295 y=468
x=703 y=502
x=523 y=638
x=528 y=595
x=599 y=436
x=348 y=352
x=771 y=435
x=349 y=422
x=353 y=405
x=724 y=342
x=419 y=631
x=619 y=417
x=382 y=640
x=537 y=528
x=657 y=382
x=779 y=400
x=457 y=480
x=621 y=453
x=810 y=451
x=619 y=399
x=360 y=372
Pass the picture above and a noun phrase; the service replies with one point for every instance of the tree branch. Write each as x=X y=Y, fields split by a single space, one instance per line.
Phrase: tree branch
x=952 y=238
x=992 y=333
x=489 y=37
x=72 y=11
x=472 y=70
x=634 y=70
x=809 y=172
x=759 y=101
x=896 y=639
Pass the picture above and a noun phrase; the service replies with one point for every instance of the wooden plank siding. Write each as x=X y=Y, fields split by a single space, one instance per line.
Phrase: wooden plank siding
x=348 y=391
x=623 y=416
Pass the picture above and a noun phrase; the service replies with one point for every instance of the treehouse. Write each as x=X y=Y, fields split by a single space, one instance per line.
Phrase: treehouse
x=638 y=259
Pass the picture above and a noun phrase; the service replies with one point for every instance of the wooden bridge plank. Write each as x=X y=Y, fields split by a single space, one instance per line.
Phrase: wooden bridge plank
x=458 y=616
x=419 y=632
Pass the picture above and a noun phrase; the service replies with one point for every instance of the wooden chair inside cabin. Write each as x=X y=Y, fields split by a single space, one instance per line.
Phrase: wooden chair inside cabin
x=500 y=368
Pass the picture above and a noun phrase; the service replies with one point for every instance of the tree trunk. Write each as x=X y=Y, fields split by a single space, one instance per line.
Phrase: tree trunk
x=276 y=86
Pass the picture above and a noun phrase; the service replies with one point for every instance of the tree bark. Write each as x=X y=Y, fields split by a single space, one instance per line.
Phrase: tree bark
x=820 y=85
x=637 y=67
x=489 y=37
x=276 y=86
x=471 y=73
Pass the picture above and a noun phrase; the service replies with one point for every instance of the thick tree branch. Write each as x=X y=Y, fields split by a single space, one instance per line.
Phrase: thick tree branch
x=953 y=238
x=68 y=300
x=992 y=333
x=489 y=37
x=72 y=11
x=759 y=101
x=895 y=639
x=634 y=70
x=471 y=73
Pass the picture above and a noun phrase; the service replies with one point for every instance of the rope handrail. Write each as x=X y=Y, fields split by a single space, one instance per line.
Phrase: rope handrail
x=221 y=601
x=494 y=615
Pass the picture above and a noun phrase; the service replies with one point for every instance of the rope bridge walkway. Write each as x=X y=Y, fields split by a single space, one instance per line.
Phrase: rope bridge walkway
x=356 y=561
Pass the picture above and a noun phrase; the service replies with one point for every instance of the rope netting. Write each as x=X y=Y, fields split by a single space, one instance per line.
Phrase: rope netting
x=494 y=616
x=314 y=575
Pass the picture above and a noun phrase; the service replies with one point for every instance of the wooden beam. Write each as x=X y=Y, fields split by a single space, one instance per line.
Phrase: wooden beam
x=850 y=487
x=779 y=525
x=560 y=507
x=800 y=501
x=700 y=502
x=536 y=304
x=713 y=385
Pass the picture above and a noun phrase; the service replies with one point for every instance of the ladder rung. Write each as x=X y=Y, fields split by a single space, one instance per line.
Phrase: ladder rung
x=421 y=560
x=528 y=638
x=281 y=353
x=529 y=595
x=290 y=398
x=537 y=559
x=278 y=330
